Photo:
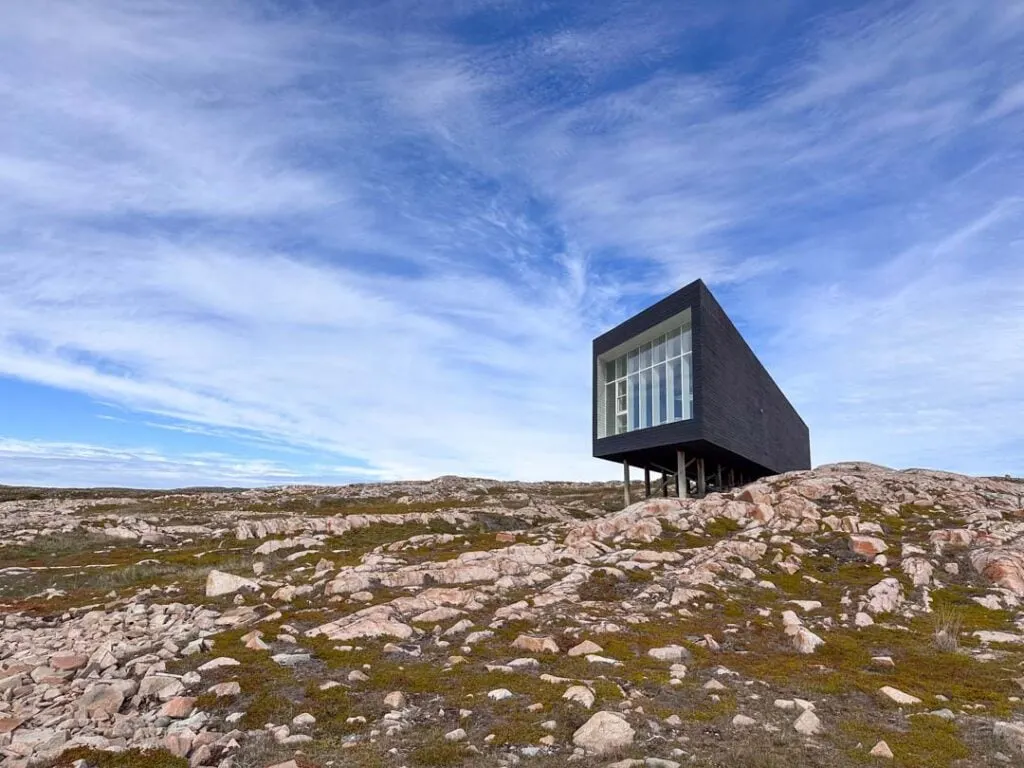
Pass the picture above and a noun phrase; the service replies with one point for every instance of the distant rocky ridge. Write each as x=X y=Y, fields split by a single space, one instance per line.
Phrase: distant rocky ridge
x=847 y=614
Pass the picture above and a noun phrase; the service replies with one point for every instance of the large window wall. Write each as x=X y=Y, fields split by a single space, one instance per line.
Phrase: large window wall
x=647 y=384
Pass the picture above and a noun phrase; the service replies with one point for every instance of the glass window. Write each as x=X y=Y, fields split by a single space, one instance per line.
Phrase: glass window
x=609 y=372
x=646 y=399
x=687 y=338
x=620 y=423
x=645 y=356
x=620 y=367
x=633 y=360
x=609 y=409
x=634 y=401
x=677 y=388
x=687 y=394
x=672 y=341
x=660 y=411
x=659 y=350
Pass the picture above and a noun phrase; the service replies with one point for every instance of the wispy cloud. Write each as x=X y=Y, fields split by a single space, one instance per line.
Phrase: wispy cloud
x=392 y=244
x=34 y=462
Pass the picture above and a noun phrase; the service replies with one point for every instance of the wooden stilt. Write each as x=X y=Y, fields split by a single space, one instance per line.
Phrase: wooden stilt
x=718 y=478
x=647 y=483
x=732 y=477
x=681 y=490
x=701 y=480
x=664 y=484
x=625 y=482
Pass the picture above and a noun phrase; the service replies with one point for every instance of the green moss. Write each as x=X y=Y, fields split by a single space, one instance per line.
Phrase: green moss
x=930 y=742
x=721 y=527
x=438 y=752
x=129 y=758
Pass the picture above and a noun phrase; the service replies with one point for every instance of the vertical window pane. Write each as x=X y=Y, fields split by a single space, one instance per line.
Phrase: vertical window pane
x=673 y=343
x=660 y=395
x=620 y=366
x=609 y=371
x=633 y=360
x=634 y=401
x=687 y=339
x=646 y=397
x=687 y=386
x=645 y=356
x=671 y=378
x=677 y=388
x=620 y=423
x=609 y=409
x=659 y=350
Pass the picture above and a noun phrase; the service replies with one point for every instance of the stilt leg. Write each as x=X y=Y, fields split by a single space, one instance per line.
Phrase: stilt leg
x=625 y=482
x=701 y=480
x=681 y=490
x=647 y=483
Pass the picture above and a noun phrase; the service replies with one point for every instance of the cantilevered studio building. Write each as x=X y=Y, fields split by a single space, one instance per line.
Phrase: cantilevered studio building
x=678 y=392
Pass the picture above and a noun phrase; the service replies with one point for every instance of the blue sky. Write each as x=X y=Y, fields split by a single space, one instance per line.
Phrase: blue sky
x=263 y=242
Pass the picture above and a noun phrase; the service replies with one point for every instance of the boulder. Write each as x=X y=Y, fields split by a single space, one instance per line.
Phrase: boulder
x=579 y=694
x=669 y=653
x=584 y=648
x=100 y=700
x=867 y=546
x=221 y=583
x=532 y=644
x=808 y=723
x=604 y=732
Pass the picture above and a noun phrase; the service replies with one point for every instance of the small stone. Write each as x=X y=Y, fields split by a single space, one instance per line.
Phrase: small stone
x=806 y=641
x=881 y=749
x=304 y=720
x=808 y=723
x=68 y=661
x=898 y=696
x=579 y=694
x=395 y=700
x=585 y=648
x=499 y=694
x=867 y=546
x=742 y=721
x=670 y=653
x=221 y=661
x=458 y=734
x=532 y=644
x=226 y=689
x=863 y=619
x=178 y=707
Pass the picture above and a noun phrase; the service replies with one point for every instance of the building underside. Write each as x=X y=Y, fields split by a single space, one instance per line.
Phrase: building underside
x=691 y=469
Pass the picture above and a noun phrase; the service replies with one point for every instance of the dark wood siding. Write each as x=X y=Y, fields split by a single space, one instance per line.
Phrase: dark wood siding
x=742 y=408
x=739 y=413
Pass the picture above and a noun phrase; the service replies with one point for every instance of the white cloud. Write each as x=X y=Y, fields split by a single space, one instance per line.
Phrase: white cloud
x=34 y=462
x=388 y=245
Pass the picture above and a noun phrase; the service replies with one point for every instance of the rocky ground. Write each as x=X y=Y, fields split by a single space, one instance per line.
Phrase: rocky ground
x=851 y=615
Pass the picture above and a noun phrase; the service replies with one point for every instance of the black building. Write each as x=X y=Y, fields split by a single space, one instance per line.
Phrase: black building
x=677 y=391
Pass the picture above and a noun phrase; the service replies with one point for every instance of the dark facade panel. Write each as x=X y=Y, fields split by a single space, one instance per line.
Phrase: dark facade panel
x=742 y=408
x=740 y=416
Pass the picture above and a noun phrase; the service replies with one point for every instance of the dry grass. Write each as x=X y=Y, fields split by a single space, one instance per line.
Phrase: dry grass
x=946 y=634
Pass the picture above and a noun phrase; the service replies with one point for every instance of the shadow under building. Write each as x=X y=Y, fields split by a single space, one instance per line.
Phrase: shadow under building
x=678 y=392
